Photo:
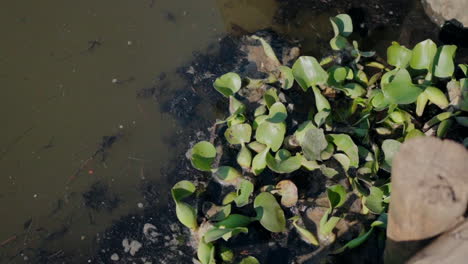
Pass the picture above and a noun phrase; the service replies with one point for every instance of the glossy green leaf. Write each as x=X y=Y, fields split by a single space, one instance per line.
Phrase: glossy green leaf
x=379 y=101
x=343 y=160
x=401 y=90
x=259 y=161
x=336 y=196
x=235 y=106
x=398 y=56
x=270 y=96
x=286 y=77
x=443 y=62
x=244 y=157
x=323 y=107
x=217 y=233
x=228 y=84
x=344 y=143
x=203 y=155
x=423 y=55
x=305 y=234
x=288 y=191
x=243 y=193
x=215 y=212
x=229 y=198
x=206 y=253
x=186 y=215
x=182 y=190
x=421 y=103
x=342 y=25
x=354 y=90
x=464 y=68
x=256 y=146
x=277 y=113
x=327 y=225
x=287 y=165
x=313 y=143
x=437 y=97
x=437 y=119
x=238 y=134
x=374 y=202
x=338 y=43
x=228 y=175
x=269 y=212
x=233 y=221
x=444 y=127
x=307 y=72
x=337 y=75
x=271 y=134
x=390 y=147
x=355 y=242
x=249 y=260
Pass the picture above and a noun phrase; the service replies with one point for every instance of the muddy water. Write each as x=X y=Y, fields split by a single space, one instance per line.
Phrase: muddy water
x=73 y=128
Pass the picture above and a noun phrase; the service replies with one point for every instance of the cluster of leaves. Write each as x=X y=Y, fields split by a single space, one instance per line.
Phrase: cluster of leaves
x=358 y=121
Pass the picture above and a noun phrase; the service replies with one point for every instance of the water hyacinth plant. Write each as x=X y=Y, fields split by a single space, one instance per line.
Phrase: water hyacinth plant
x=363 y=109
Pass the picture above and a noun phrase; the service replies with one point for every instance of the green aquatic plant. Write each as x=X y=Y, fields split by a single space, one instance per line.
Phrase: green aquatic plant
x=363 y=110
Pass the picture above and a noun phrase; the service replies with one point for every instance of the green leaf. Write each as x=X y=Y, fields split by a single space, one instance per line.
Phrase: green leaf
x=206 y=253
x=344 y=143
x=355 y=242
x=374 y=202
x=182 y=190
x=269 y=212
x=398 y=56
x=423 y=55
x=249 y=260
x=238 y=134
x=271 y=134
x=462 y=120
x=338 y=43
x=342 y=25
x=343 y=160
x=414 y=133
x=278 y=113
x=437 y=97
x=288 y=191
x=228 y=84
x=328 y=172
x=401 y=90
x=233 y=221
x=286 y=77
x=228 y=175
x=464 y=68
x=226 y=254
x=379 y=101
x=217 y=233
x=186 y=215
x=327 y=153
x=259 y=161
x=313 y=143
x=437 y=119
x=270 y=96
x=244 y=158
x=235 y=106
x=215 y=212
x=443 y=128
x=258 y=120
x=256 y=146
x=336 y=196
x=261 y=110
x=243 y=193
x=326 y=226
x=337 y=75
x=305 y=234
x=390 y=147
x=287 y=165
x=443 y=62
x=421 y=103
x=267 y=48
x=307 y=72
x=203 y=155
x=354 y=90
x=229 y=198
x=323 y=107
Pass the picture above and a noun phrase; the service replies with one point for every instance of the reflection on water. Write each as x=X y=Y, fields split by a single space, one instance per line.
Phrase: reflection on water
x=76 y=142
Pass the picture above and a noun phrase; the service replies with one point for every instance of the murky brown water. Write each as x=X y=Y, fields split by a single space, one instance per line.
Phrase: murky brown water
x=69 y=73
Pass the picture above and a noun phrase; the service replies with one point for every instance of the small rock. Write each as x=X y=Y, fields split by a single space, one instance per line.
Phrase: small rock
x=115 y=257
